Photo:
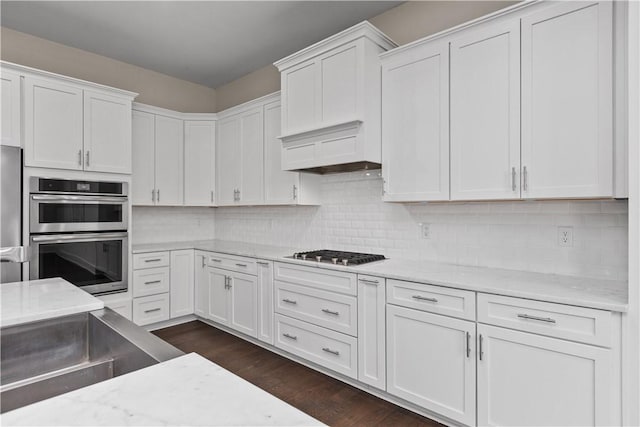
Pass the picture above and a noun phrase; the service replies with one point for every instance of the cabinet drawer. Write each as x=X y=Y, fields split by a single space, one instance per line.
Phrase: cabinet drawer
x=320 y=278
x=151 y=281
x=327 y=309
x=580 y=324
x=434 y=299
x=330 y=349
x=150 y=260
x=232 y=262
x=151 y=309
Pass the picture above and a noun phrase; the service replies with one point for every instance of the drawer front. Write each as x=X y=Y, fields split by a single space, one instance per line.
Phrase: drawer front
x=233 y=263
x=151 y=281
x=434 y=299
x=327 y=309
x=580 y=324
x=320 y=278
x=151 y=309
x=150 y=260
x=330 y=349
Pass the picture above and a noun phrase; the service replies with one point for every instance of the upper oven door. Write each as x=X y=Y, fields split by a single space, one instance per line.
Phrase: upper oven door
x=51 y=213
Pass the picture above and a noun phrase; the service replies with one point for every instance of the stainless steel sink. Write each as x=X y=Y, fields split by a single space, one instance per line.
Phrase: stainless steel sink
x=50 y=357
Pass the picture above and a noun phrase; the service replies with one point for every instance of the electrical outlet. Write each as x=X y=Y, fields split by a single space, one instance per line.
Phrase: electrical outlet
x=565 y=236
x=425 y=230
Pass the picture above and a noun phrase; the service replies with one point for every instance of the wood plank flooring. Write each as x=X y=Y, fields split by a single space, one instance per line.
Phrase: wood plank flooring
x=329 y=400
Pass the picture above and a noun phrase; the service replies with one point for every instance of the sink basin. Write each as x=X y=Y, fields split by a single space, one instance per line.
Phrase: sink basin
x=54 y=356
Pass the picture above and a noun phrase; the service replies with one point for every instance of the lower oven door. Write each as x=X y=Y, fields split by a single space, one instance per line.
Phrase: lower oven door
x=94 y=262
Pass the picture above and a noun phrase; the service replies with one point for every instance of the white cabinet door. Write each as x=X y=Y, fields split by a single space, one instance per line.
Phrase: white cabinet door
x=218 y=295
x=567 y=137
x=199 y=163
x=485 y=113
x=371 y=331
x=265 y=301
x=339 y=84
x=11 y=109
x=252 y=155
x=52 y=124
x=144 y=153
x=430 y=362
x=280 y=187
x=182 y=283
x=415 y=125
x=201 y=285
x=169 y=161
x=228 y=160
x=244 y=303
x=107 y=133
x=525 y=379
x=300 y=97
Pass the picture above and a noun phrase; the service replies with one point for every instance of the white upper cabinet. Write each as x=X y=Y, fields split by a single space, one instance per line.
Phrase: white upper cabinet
x=331 y=102
x=567 y=135
x=53 y=124
x=249 y=159
x=199 y=162
x=66 y=123
x=169 y=161
x=251 y=187
x=107 y=133
x=485 y=113
x=143 y=179
x=415 y=124
x=11 y=108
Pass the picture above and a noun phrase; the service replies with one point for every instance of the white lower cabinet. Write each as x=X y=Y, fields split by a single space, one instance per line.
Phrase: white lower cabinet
x=201 y=285
x=431 y=362
x=233 y=300
x=371 y=331
x=525 y=379
x=182 y=282
x=151 y=309
x=265 y=301
x=122 y=307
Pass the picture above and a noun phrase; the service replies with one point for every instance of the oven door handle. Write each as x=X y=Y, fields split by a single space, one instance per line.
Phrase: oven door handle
x=62 y=198
x=78 y=237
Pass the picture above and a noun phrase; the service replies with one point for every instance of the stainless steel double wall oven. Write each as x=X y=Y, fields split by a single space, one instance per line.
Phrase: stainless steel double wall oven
x=78 y=231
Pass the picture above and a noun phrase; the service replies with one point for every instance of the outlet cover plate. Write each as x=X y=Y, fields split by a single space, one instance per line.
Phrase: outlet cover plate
x=425 y=231
x=565 y=236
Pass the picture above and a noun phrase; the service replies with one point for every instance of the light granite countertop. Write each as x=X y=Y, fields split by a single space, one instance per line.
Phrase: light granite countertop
x=188 y=390
x=33 y=300
x=579 y=291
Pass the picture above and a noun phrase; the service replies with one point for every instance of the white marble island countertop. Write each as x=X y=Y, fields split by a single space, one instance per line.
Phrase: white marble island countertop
x=188 y=390
x=33 y=300
x=573 y=290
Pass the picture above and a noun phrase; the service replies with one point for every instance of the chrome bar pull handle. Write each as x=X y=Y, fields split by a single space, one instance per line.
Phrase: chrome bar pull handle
x=153 y=196
x=211 y=196
x=468 y=345
x=291 y=337
x=326 y=310
x=328 y=350
x=480 y=351
x=266 y=264
x=152 y=310
x=203 y=262
x=295 y=192
x=87 y=160
x=370 y=282
x=215 y=260
x=525 y=179
x=539 y=319
x=421 y=298
x=158 y=195
x=153 y=260
x=152 y=282
x=513 y=179
x=290 y=301
x=241 y=265
x=79 y=157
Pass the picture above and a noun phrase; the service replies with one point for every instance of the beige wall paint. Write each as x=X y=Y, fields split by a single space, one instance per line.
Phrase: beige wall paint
x=405 y=23
x=154 y=88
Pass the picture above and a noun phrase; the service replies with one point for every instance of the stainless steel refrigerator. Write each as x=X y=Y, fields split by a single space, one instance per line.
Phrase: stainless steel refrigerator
x=12 y=252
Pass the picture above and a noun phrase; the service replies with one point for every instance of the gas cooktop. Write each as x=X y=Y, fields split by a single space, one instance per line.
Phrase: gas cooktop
x=338 y=257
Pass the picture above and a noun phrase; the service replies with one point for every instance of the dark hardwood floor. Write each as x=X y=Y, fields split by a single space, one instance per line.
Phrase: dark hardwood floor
x=329 y=400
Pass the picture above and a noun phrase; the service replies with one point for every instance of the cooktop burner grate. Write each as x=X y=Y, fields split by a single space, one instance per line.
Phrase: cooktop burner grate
x=338 y=257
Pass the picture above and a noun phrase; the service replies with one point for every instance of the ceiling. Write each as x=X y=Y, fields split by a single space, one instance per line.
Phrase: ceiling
x=206 y=42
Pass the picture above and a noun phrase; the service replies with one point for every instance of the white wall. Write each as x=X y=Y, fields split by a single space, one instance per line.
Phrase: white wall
x=171 y=224
x=512 y=235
